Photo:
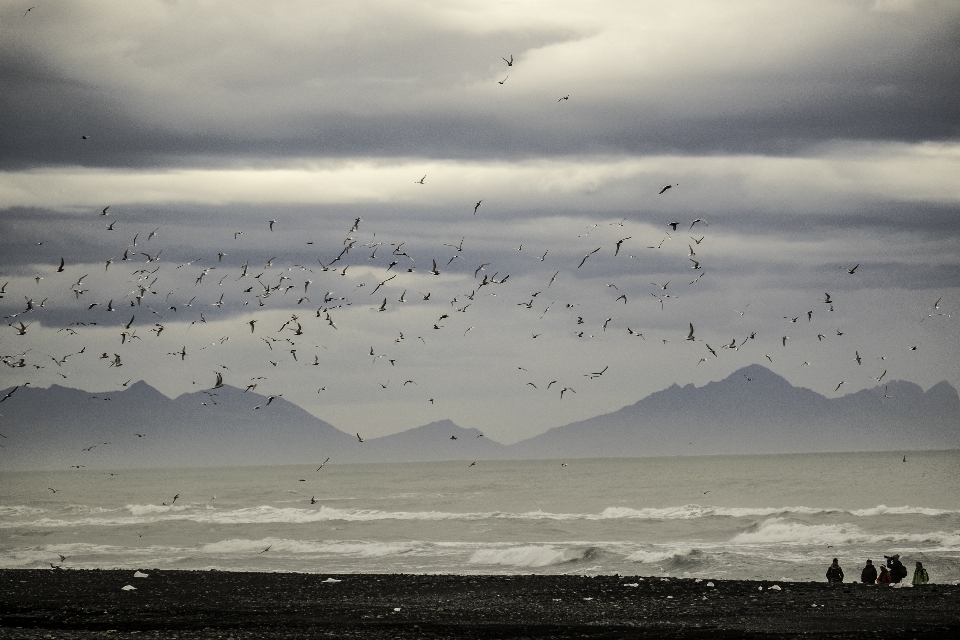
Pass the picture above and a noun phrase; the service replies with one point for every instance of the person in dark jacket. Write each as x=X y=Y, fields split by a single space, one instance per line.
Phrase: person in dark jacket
x=835 y=573
x=869 y=573
x=897 y=571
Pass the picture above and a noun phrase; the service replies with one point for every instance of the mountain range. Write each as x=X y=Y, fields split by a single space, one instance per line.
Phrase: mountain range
x=753 y=410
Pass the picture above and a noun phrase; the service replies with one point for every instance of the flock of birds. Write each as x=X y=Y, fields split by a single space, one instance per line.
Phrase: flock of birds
x=161 y=299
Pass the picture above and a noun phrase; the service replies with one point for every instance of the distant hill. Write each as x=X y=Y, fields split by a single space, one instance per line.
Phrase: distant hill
x=751 y=411
x=754 y=410
x=442 y=440
x=49 y=428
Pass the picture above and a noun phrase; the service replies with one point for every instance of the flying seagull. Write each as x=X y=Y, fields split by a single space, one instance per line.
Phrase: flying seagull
x=509 y=62
x=586 y=256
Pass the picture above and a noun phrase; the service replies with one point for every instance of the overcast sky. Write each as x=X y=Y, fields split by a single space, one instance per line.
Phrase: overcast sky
x=810 y=137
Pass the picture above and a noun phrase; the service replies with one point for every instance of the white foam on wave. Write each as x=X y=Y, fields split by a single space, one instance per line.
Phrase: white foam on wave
x=691 y=511
x=785 y=531
x=531 y=555
x=660 y=557
x=19 y=511
x=153 y=509
x=883 y=510
x=21 y=516
x=281 y=545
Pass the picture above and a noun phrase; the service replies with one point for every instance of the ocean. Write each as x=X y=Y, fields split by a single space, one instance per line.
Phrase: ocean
x=765 y=517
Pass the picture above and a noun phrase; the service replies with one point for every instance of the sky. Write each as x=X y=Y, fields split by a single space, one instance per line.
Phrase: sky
x=812 y=151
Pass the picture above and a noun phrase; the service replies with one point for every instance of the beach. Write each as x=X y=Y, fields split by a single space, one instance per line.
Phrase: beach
x=69 y=603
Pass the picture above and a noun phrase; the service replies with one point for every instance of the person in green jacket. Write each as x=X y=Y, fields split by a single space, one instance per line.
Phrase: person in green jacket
x=920 y=575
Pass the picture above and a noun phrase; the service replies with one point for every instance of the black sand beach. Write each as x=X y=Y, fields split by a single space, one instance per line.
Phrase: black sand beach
x=217 y=604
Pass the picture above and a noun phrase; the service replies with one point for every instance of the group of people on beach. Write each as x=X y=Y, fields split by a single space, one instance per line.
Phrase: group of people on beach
x=893 y=573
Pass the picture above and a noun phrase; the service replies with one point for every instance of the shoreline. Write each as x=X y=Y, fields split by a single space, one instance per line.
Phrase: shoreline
x=37 y=603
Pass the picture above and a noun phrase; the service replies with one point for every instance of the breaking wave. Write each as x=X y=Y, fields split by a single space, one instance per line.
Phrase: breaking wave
x=675 y=560
x=786 y=531
x=280 y=545
x=133 y=514
x=533 y=556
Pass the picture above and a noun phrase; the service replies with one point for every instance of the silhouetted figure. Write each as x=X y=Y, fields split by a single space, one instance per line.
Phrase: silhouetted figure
x=897 y=571
x=835 y=573
x=869 y=573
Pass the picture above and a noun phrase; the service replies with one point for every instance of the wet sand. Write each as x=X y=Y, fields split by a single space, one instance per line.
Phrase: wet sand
x=219 y=604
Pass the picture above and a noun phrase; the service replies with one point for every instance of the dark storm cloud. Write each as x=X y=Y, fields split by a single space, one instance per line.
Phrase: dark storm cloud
x=430 y=91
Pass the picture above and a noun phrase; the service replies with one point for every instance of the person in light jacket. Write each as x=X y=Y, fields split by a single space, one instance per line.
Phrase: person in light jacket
x=920 y=575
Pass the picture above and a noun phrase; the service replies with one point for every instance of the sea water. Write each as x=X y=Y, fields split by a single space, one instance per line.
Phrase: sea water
x=771 y=517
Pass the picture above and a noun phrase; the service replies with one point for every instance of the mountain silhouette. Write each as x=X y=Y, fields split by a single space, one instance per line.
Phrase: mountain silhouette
x=753 y=410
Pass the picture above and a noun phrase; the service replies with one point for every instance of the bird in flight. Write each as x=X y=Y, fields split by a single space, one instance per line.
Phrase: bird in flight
x=851 y=271
x=476 y=206
x=420 y=181
x=502 y=81
x=509 y=62
x=324 y=462
x=566 y=97
x=359 y=438
x=664 y=190
x=585 y=257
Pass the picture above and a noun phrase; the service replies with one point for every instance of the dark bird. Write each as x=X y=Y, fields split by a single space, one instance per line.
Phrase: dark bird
x=321 y=465
x=60 y=268
x=850 y=271
x=509 y=62
x=585 y=258
x=359 y=438
x=476 y=206
x=420 y=181
x=502 y=81
x=664 y=190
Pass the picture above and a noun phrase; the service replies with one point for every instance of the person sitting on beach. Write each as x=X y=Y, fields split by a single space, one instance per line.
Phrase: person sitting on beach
x=835 y=573
x=869 y=573
x=897 y=571
x=884 y=577
x=920 y=575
